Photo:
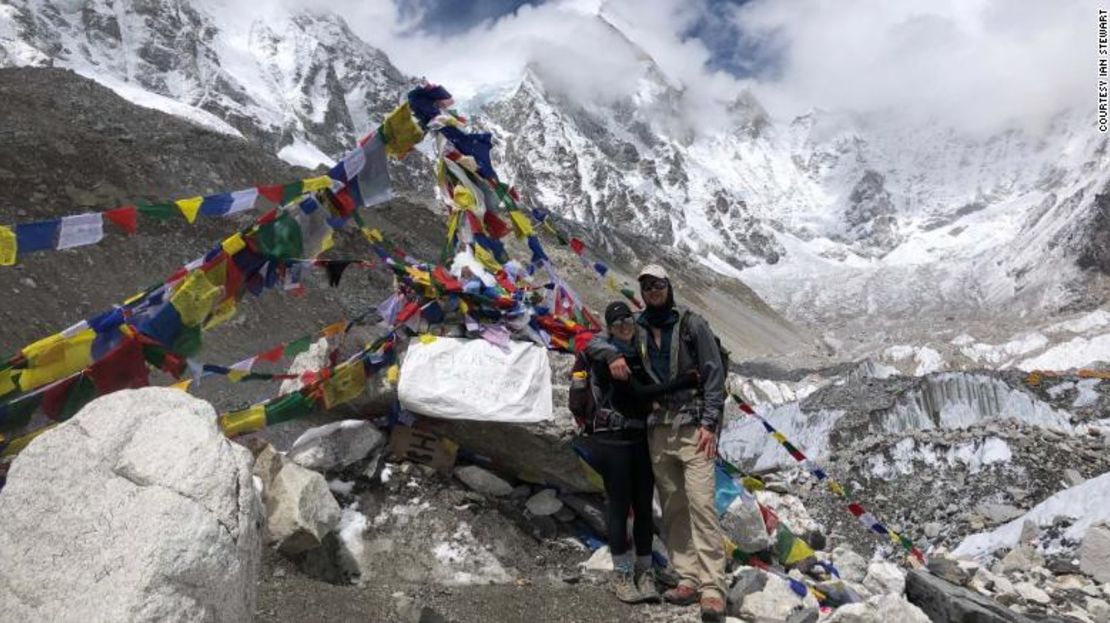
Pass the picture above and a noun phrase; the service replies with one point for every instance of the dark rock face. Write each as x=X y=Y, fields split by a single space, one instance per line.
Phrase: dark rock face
x=870 y=214
x=1096 y=251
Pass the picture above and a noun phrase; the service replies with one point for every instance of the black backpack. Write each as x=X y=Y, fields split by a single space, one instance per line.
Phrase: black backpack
x=684 y=331
x=582 y=402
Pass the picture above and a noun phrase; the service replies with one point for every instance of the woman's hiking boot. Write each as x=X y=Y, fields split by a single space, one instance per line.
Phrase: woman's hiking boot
x=681 y=595
x=624 y=585
x=667 y=577
x=645 y=583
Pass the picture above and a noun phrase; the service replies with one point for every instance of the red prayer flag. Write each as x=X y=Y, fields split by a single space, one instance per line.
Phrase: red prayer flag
x=445 y=279
x=856 y=509
x=54 y=399
x=274 y=354
x=273 y=192
x=577 y=245
x=122 y=368
x=472 y=220
x=126 y=218
x=494 y=225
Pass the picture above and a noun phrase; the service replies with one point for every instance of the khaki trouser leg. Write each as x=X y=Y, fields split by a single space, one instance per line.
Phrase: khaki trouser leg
x=687 y=484
x=669 y=481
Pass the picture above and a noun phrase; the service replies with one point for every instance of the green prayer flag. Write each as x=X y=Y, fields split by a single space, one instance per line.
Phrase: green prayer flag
x=297 y=346
x=17 y=415
x=81 y=394
x=291 y=191
x=288 y=407
x=281 y=238
x=188 y=342
x=160 y=211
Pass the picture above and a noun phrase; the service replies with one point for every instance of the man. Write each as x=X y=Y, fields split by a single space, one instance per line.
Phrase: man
x=682 y=436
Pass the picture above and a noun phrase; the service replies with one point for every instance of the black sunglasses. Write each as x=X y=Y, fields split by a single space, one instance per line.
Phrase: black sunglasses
x=627 y=321
x=654 y=284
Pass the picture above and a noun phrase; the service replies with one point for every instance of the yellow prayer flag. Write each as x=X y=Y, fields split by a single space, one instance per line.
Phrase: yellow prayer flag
x=182 y=385
x=779 y=437
x=453 y=224
x=8 y=246
x=233 y=244
x=464 y=198
x=463 y=307
x=7 y=382
x=393 y=374
x=611 y=283
x=19 y=443
x=401 y=131
x=427 y=338
x=194 y=298
x=248 y=420
x=314 y=184
x=189 y=207
x=334 y=328
x=799 y=550
x=348 y=382
x=486 y=258
x=421 y=277
x=224 y=311
x=327 y=243
x=371 y=234
x=835 y=487
x=56 y=357
x=521 y=224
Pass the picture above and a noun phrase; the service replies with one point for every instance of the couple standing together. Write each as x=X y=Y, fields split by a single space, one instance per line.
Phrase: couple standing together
x=657 y=379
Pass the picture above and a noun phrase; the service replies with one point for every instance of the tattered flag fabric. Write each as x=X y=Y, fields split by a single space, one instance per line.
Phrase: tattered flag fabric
x=81 y=230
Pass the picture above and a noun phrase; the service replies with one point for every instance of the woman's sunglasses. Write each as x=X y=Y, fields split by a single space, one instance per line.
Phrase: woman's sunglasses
x=648 y=286
x=627 y=321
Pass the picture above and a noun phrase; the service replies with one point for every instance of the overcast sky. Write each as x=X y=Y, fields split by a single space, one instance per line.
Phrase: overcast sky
x=975 y=63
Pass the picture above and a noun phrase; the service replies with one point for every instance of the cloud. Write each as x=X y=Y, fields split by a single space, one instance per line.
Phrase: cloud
x=974 y=64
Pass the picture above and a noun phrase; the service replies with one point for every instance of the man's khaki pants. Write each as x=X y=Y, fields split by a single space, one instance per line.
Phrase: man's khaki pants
x=686 y=481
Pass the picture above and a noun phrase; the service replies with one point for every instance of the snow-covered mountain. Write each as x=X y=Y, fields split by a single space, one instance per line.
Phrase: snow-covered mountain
x=831 y=217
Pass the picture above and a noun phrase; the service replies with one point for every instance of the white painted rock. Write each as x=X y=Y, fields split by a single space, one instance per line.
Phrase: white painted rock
x=880 y=609
x=600 y=562
x=852 y=566
x=336 y=445
x=885 y=578
x=544 y=503
x=1094 y=553
x=300 y=508
x=137 y=509
x=483 y=481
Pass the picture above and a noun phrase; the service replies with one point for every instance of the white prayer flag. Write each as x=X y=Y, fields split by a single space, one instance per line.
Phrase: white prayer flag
x=80 y=230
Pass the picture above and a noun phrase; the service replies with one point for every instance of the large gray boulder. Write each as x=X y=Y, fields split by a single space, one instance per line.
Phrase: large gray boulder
x=881 y=609
x=136 y=509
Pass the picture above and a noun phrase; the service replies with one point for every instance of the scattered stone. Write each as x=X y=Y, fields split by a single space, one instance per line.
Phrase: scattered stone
x=483 y=481
x=300 y=508
x=565 y=515
x=137 y=508
x=590 y=511
x=1030 y=592
x=1073 y=477
x=748 y=580
x=852 y=566
x=1021 y=558
x=932 y=529
x=521 y=492
x=952 y=569
x=1098 y=609
x=1028 y=533
x=999 y=513
x=1094 y=553
x=879 y=609
x=336 y=445
x=544 y=503
x=775 y=602
x=885 y=578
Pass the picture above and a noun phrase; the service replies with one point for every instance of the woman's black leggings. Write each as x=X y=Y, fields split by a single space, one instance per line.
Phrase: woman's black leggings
x=622 y=459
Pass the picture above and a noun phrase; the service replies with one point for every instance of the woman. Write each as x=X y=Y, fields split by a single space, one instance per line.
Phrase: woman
x=619 y=452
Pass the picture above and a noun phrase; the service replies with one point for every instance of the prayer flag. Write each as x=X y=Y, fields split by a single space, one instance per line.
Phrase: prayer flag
x=521 y=224
x=216 y=205
x=233 y=244
x=126 y=218
x=243 y=200
x=189 y=208
x=31 y=237
x=194 y=298
x=8 y=246
x=122 y=368
x=160 y=211
x=297 y=346
x=577 y=246
x=289 y=407
x=81 y=230
x=401 y=131
x=245 y=421
x=347 y=383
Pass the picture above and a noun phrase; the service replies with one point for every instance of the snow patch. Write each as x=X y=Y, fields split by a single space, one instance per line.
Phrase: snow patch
x=974 y=455
x=463 y=560
x=1094 y=320
x=1077 y=352
x=146 y=99
x=304 y=154
x=1085 y=502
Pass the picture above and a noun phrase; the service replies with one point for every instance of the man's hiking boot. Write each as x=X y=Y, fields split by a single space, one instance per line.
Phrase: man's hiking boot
x=681 y=595
x=712 y=610
x=645 y=583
